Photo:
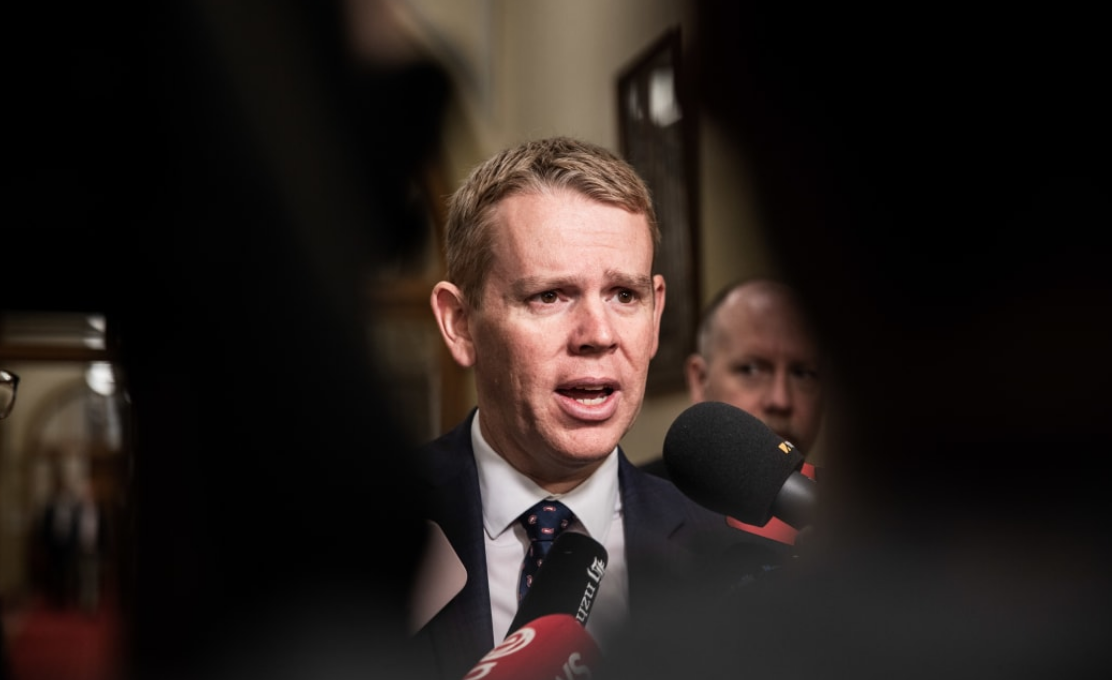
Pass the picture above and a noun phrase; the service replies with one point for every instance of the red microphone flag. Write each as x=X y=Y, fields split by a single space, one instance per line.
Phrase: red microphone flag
x=551 y=646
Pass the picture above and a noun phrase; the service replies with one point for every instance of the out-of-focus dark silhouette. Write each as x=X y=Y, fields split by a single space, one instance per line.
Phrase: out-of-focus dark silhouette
x=70 y=539
x=220 y=180
x=934 y=179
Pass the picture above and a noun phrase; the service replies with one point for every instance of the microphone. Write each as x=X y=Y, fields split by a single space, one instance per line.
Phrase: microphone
x=567 y=581
x=552 y=646
x=728 y=461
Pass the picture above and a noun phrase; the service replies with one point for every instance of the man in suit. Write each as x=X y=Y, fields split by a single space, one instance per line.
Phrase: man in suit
x=550 y=298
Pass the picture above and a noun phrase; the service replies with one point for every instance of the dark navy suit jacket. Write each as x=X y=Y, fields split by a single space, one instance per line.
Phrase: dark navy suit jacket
x=669 y=539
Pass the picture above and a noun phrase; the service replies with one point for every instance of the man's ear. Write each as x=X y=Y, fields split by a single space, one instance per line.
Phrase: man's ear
x=451 y=314
x=695 y=370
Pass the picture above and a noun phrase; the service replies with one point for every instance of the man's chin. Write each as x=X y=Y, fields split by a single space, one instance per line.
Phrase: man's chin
x=590 y=449
x=588 y=454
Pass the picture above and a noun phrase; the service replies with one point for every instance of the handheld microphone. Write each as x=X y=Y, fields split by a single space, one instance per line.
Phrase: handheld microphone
x=552 y=646
x=567 y=581
x=730 y=462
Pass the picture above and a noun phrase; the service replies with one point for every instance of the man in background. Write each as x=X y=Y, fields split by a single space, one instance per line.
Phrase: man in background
x=756 y=350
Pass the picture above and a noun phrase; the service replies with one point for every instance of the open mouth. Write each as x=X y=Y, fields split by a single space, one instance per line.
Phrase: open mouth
x=588 y=396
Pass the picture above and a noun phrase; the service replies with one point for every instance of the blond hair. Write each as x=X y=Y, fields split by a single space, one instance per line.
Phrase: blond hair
x=555 y=163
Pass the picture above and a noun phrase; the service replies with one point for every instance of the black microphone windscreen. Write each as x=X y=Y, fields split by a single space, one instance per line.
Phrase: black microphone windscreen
x=728 y=461
x=567 y=581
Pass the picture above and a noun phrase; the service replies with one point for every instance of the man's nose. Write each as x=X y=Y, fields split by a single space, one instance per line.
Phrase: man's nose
x=778 y=396
x=594 y=327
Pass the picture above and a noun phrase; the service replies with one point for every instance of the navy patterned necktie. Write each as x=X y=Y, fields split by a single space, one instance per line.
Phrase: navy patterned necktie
x=543 y=523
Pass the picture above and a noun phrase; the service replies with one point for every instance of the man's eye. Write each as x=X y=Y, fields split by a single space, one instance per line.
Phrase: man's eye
x=805 y=374
x=626 y=296
x=548 y=297
x=748 y=369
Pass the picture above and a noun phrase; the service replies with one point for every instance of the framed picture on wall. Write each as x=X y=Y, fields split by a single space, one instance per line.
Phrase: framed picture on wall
x=656 y=136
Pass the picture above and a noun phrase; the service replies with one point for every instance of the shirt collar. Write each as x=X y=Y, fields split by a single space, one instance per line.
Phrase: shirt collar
x=507 y=493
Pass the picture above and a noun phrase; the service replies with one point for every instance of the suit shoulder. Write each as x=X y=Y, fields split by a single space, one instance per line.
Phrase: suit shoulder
x=656 y=467
x=662 y=492
x=665 y=499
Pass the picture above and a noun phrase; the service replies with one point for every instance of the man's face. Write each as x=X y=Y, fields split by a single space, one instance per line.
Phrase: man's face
x=569 y=321
x=763 y=361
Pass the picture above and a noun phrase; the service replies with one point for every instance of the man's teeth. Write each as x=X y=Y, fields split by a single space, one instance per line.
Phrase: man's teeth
x=592 y=401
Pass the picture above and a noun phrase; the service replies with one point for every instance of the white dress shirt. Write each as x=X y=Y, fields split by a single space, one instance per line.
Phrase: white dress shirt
x=506 y=493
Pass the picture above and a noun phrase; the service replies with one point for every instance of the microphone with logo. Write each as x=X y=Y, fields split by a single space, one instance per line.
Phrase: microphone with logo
x=547 y=638
x=730 y=462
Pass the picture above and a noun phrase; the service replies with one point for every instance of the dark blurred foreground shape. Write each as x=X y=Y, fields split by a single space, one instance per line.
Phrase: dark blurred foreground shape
x=219 y=180
x=935 y=181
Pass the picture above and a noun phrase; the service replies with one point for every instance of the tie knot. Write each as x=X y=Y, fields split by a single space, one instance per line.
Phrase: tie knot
x=545 y=520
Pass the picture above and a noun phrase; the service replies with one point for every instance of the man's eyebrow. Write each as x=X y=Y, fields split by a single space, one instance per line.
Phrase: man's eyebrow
x=639 y=282
x=530 y=285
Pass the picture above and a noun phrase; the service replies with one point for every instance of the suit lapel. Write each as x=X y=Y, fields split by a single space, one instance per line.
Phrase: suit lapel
x=651 y=520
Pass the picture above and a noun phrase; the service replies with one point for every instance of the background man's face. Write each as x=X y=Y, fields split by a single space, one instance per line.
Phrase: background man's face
x=763 y=360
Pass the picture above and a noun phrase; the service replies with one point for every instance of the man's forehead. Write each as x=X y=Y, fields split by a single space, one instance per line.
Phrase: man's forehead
x=557 y=197
x=766 y=347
